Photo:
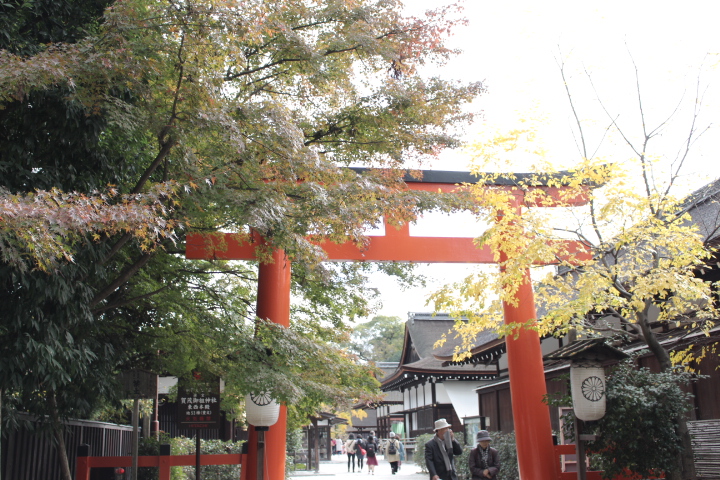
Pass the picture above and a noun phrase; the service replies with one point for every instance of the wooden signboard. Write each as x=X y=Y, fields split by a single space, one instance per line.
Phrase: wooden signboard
x=139 y=384
x=198 y=409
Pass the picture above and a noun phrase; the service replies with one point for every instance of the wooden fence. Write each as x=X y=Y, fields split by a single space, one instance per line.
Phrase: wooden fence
x=163 y=462
x=29 y=452
x=706 y=446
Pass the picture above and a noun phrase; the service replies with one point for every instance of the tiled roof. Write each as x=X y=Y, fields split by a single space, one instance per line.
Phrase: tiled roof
x=703 y=207
x=420 y=357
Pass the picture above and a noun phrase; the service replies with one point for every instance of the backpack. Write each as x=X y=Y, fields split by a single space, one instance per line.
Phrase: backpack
x=370 y=449
x=392 y=448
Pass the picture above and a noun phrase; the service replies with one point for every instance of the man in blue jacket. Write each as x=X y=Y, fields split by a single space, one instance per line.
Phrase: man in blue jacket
x=440 y=452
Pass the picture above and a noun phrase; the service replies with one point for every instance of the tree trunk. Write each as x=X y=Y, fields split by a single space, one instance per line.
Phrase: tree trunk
x=686 y=459
x=58 y=431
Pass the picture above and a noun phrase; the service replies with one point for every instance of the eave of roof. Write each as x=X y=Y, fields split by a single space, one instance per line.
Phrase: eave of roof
x=484 y=353
x=418 y=372
x=594 y=349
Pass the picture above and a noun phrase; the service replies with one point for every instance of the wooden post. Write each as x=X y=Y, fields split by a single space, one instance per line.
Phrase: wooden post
x=82 y=467
x=316 y=443
x=261 y=455
x=580 y=450
x=164 y=462
x=135 y=422
x=156 y=415
x=197 y=454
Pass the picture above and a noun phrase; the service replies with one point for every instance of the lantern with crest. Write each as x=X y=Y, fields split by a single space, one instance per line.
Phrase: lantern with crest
x=261 y=410
x=587 y=375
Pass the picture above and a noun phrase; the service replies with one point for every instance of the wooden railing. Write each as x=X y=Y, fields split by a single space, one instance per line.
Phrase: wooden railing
x=570 y=450
x=163 y=462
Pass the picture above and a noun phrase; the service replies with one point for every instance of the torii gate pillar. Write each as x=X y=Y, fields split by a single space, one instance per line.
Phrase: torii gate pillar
x=533 y=431
x=273 y=303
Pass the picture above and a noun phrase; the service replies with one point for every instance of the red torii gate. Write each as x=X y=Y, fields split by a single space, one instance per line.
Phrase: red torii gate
x=537 y=458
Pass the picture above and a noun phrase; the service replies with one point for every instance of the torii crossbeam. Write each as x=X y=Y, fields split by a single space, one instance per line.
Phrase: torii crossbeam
x=536 y=456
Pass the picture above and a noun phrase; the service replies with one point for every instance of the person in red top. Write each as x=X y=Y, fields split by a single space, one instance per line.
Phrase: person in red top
x=371 y=448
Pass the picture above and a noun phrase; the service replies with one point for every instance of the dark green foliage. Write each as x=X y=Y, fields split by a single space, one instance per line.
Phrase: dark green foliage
x=638 y=431
x=461 y=461
x=48 y=142
x=27 y=26
x=49 y=341
x=505 y=444
x=186 y=446
x=151 y=446
x=419 y=455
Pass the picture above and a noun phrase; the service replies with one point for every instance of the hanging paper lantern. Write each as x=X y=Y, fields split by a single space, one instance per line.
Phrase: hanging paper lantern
x=261 y=410
x=587 y=383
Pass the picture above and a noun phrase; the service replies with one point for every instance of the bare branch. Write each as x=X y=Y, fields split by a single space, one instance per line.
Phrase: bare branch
x=578 y=123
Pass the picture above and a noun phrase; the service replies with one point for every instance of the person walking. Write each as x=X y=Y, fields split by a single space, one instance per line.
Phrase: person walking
x=440 y=452
x=484 y=461
x=371 y=450
x=360 y=451
x=350 y=450
x=392 y=452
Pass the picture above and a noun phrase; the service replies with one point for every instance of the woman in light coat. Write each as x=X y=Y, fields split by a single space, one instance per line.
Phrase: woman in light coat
x=350 y=450
x=393 y=458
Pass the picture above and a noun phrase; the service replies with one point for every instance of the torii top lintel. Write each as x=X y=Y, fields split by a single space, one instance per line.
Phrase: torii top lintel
x=397 y=244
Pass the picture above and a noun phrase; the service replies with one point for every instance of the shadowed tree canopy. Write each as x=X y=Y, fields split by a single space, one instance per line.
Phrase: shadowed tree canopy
x=249 y=110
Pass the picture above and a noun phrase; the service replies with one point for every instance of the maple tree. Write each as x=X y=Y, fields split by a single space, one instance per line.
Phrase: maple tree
x=646 y=249
x=45 y=224
x=252 y=110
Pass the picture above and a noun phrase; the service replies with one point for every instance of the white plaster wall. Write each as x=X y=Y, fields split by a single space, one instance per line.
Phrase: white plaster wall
x=441 y=394
x=550 y=344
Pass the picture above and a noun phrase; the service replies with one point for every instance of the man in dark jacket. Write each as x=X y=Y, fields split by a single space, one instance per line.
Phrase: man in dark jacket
x=484 y=461
x=440 y=452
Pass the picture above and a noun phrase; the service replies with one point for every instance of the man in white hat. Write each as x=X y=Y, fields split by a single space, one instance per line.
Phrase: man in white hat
x=440 y=452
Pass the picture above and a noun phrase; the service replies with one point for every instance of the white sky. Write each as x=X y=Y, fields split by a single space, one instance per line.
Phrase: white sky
x=513 y=46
